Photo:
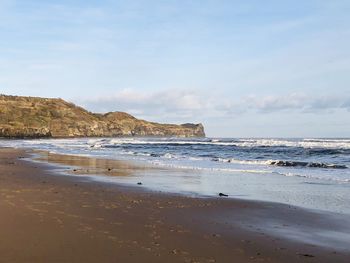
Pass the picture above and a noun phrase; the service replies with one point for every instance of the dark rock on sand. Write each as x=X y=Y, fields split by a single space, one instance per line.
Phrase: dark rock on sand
x=306 y=255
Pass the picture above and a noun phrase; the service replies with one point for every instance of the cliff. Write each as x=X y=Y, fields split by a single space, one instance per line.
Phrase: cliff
x=31 y=117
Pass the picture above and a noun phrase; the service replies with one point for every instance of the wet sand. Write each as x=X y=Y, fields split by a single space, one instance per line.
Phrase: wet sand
x=47 y=217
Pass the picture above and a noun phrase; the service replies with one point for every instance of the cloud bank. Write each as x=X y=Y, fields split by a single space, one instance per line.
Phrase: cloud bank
x=184 y=104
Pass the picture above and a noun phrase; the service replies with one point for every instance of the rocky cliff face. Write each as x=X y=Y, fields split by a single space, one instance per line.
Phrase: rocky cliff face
x=22 y=117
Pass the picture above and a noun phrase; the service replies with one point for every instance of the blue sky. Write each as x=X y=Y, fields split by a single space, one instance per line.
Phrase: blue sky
x=243 y=68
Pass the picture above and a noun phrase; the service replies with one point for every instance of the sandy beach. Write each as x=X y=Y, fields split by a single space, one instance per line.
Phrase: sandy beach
x=48 y=217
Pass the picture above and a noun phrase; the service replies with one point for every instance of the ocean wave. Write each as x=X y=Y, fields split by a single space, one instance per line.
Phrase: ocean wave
x=253 y=171
x=331 y=144
x=313 y=177
x=307 y=164
x=133 y=153
x=231 y=160
x=314 y=144
x=216 y=169
x=325 y=151
x=283 y=163
x=154 y=155
x=305 y=143
x=327 y=140
x=166 y=142
x=273 y=162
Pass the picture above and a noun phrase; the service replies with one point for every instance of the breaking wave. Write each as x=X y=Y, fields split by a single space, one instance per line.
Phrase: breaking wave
x=283 y=163
x=314 y=158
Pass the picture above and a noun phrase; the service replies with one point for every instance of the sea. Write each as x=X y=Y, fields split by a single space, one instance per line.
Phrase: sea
x=309 y=172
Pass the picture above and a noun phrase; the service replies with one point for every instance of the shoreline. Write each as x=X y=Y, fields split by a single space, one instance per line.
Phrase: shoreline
x=209 y=167
x=153 y=178
x=70 y=218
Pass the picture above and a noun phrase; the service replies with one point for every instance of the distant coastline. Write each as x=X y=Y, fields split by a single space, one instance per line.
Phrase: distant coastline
x=34 y=117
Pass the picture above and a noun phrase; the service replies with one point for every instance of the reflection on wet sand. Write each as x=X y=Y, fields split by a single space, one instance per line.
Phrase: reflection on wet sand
x=81 y=165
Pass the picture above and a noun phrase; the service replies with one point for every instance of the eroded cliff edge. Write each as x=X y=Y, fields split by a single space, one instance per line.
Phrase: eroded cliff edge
x=32 y=117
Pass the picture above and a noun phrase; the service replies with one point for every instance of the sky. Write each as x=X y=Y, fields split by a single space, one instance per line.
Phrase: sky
x=242 y=68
